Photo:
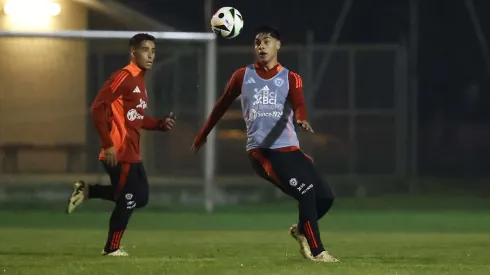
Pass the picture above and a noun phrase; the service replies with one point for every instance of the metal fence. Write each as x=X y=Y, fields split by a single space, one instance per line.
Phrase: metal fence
x=356 y=96
x=358 y=104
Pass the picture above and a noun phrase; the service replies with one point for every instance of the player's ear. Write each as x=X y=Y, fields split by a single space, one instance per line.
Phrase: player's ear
x=132 y=52
x=278 y=45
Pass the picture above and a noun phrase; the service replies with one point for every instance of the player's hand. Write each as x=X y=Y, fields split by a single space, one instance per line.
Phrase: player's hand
x=198 y=143
x=169 y=122
x=305 y=125
x=110 y=156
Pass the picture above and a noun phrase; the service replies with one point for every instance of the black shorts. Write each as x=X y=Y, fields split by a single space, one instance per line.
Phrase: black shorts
x=130 y=183
x=293 y=172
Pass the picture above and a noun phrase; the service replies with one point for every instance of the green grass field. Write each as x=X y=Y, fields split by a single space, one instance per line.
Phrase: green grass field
x=429 y=237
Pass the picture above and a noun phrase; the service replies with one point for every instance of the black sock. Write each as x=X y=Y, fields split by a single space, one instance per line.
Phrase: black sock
x=97 y=191
x=117 y=225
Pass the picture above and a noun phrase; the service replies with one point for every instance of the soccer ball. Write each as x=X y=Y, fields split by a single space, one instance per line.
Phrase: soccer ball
x=227 y=22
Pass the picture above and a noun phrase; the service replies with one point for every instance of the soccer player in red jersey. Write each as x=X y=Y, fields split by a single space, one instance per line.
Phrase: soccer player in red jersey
x=270 y=95
x=118 y=113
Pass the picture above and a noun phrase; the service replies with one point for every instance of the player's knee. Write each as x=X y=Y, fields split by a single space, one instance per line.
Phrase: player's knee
x=142 y=201
x=323 y=205
x=324 y=192
x=326 y=203
x=141 y=204
x=329 y=198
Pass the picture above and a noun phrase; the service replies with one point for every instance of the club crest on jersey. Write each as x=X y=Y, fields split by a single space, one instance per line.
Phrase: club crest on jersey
x=133 y=115
x=279 y=82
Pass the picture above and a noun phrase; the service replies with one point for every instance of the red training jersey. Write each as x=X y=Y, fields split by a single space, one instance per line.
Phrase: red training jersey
x=234 y=88
x=118 y=113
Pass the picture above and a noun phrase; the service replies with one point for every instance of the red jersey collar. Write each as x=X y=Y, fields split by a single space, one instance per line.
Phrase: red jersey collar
x=134 y=69
x=276 y=68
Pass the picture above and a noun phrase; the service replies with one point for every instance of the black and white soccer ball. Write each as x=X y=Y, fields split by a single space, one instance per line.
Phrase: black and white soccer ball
x=227 y=22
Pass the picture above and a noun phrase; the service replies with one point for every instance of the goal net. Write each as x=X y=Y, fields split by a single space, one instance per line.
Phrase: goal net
x=48 y=82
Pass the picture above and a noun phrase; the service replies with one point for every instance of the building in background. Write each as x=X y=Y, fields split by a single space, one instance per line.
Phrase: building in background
x=43 y=84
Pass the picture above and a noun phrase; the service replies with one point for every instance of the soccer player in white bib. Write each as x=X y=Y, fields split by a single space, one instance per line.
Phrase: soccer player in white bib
x=272 y=100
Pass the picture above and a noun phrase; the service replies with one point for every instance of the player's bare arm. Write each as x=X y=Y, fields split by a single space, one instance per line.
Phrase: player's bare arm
x=232 y=91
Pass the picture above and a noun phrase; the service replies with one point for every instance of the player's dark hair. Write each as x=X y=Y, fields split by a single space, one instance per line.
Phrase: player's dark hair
x=274 y=33
x=136 y=40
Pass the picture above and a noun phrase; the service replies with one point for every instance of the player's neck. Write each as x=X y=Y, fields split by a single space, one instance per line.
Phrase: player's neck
x=134 y=65
x=269 y=65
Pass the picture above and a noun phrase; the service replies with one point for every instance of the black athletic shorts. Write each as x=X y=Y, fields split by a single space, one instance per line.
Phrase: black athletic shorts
x=130 y=183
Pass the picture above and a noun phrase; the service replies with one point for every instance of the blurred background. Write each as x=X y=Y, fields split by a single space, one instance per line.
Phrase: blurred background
x=397 y=92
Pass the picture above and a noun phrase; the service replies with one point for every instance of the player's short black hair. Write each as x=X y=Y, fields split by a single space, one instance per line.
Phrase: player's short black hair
x=136 y=40
x=269 y=30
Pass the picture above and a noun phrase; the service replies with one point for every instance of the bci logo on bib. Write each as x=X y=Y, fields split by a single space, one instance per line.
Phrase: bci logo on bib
x=264 y=96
